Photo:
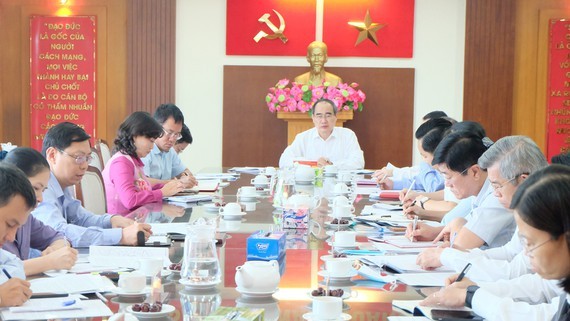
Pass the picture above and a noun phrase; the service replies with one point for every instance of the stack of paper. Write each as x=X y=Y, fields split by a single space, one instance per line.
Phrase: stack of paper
x=189 y=198
x=57 y=308
x=72 y=283
x=247 y=170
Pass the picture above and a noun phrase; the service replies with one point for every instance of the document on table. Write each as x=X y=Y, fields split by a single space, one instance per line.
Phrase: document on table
x=189 y=198
x=402 y=241
x=88 y=309
x=205 y=185
x=72 y=283
x=404 y=263
x=226 y=176
x=399 y=318
x=165 y=228
x=247 y=169
x=413 y=306
x=424 y=279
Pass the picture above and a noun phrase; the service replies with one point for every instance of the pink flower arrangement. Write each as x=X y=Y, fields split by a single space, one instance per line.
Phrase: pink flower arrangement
x=289 y=96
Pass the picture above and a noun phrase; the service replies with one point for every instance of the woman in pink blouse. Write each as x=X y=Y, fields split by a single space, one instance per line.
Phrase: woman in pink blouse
x=126 y=185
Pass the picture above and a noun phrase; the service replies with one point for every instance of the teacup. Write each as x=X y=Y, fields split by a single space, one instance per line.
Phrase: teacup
x=337 y=267
x=344 y=238
x=230 y=209
x=326 y=308
x=150 y=266
x=343 y=210
x=341 y=188
x=229 y=225
x=340 y=200
x=260 y=180
x=331 y=170
x=344 y=176
x=133 y=282
x=249 y=206
x=246 y=191
x=304 y=173
x=270 y=171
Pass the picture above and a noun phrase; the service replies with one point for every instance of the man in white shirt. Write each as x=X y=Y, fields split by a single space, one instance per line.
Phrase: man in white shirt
x=325 y=143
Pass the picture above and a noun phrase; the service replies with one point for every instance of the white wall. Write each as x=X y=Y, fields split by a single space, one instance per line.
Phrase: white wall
x=439 y=40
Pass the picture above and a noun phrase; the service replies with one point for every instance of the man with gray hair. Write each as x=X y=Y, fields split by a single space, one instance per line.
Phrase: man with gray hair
x=325 y=143
x=508 y=163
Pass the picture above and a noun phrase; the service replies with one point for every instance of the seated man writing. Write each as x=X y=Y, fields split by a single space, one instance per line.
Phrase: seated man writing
x=325 y=143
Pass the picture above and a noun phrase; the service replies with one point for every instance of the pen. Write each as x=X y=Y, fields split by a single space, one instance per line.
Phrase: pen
x=68 y=303
x=408 y=191
x=462 y=274
x=452 y=239
x=414 y=225
x=6 y=273
x=100 y=296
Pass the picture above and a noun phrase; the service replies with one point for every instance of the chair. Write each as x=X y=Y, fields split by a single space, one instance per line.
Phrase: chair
x=104 y=150
x=91 y=191
x=97 y=159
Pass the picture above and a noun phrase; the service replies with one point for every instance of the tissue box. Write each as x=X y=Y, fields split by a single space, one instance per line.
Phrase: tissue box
x=296 y=218
x=246 y=314
x=262 y=246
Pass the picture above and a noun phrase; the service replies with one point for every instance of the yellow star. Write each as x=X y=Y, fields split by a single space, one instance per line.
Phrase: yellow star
x=367 y=29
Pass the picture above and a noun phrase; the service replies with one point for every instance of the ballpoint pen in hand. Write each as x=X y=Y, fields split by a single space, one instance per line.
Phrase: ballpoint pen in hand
x=408 y=192
x=414 y=226
x=452 y=240
x=463 y=272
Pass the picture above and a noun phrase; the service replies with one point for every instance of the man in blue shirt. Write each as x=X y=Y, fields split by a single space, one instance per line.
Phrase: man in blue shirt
x=17 y=199
x=67 y=149
x=162 y=163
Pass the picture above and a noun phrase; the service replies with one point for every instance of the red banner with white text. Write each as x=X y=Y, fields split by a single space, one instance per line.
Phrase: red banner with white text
x=558 y=101
x=62 y=74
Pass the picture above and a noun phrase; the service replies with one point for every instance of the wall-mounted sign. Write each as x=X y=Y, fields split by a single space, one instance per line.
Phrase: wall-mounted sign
x=62 y=74
x=558 y=101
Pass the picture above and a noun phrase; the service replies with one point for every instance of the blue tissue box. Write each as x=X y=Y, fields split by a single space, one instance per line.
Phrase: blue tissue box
x=265 y=246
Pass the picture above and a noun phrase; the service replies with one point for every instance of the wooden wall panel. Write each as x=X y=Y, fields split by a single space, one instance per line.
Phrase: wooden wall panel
x=15 y=57
x=151 y=34
x=253 y=136
x=531 y=65
x=489 y=65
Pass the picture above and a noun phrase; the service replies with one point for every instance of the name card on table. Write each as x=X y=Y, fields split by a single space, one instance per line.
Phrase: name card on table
x=125 y=256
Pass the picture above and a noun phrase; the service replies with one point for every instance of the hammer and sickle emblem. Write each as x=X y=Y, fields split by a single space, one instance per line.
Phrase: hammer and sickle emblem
x=277 y=32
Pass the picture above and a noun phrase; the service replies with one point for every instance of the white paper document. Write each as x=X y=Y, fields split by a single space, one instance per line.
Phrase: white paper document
x=125 y=256
x=165 y=228
x=424 y=279
x=402 y=241
x=189 y=198
x=89 y=308
x=72 y=283
x=404 y=263
x=49 y=304
x=399 y=318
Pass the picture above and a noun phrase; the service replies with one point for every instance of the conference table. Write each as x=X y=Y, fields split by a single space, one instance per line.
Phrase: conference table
x=368 y=300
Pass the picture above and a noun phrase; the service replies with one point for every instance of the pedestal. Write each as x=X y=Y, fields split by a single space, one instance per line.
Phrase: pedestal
x=298 y=122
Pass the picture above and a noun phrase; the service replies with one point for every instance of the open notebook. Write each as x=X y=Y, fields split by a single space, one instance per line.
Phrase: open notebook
x=205 y=185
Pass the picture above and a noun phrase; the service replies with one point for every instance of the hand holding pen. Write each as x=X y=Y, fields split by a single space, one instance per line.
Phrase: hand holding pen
x=15 y=291
x=414 y=227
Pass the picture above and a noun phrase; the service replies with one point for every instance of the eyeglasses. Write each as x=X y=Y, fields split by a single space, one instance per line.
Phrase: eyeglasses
x=79 y=160
x=496 y=186
x=171 y=134
x=524 y=243
x=327 y=116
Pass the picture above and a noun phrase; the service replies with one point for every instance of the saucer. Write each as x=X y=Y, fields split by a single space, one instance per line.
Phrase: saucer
x=173 y=271
x=340 y=194
x=325 y=273
x=121 y=292
x=166 y=310
x=264 y=185
x=211 y=207
x=233 y=217
x=204 y=285
x=343 y=317
x=166 y=272
x=256 y=294
x=354 y=246
x=304 y=182
x=248 y=198
x=54 y=273
x=331 y=225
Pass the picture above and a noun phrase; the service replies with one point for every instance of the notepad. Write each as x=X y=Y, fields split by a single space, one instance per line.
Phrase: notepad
x=89 y=309
x=72 y=283
x=189 y=198
x=205 y=185
x=404 y=242
x=49 y=304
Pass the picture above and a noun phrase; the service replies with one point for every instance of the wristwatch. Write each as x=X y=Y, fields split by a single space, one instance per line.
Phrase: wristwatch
x=424 y=200
x=470 y=293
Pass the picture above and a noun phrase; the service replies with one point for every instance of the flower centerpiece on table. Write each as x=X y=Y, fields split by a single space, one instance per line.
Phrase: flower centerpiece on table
x=289 y=96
